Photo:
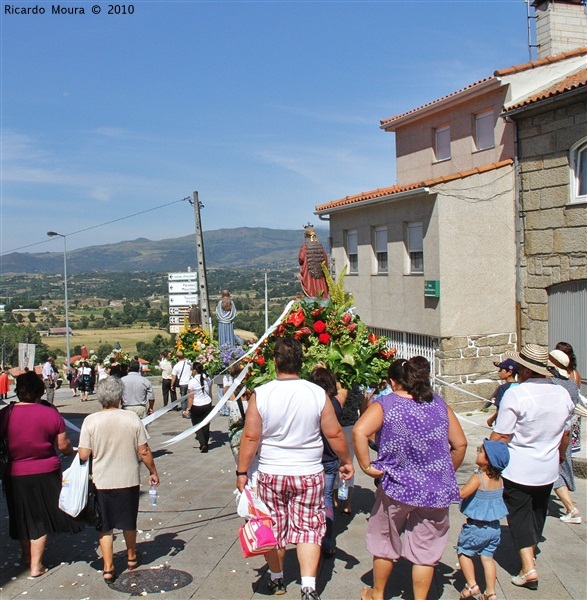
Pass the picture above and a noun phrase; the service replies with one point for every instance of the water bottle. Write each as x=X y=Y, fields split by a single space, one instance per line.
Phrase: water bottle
x=343 y=490
x=152 y=495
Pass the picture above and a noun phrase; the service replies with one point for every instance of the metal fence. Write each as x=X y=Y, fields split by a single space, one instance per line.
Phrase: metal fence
x=410 y=344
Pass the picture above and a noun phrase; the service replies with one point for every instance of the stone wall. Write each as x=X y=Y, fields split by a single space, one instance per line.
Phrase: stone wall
x=554 y=232
x=468 y=363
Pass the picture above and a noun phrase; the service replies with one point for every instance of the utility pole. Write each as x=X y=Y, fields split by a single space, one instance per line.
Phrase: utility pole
x=201 y=260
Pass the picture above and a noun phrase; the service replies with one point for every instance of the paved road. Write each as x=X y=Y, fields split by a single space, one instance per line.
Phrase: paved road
x=189 y=540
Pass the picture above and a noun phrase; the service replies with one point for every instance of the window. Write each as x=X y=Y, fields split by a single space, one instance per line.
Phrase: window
x=352 y=251
x=415 y=245
x=380 y=246
x=484 y=130
x=442 y=142
x=578 y=161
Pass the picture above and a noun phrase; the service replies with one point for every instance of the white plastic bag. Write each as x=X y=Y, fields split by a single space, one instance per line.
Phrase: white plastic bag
x=250 y=506
x=74 y=487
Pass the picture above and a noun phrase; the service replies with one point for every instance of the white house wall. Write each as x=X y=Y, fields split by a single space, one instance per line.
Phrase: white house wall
x=477 y=253
x=469 y=246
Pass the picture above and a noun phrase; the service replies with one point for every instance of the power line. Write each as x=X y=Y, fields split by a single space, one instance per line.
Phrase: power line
x=100 y=225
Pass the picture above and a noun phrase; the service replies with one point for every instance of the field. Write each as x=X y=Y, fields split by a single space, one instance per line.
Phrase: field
x=127 y=337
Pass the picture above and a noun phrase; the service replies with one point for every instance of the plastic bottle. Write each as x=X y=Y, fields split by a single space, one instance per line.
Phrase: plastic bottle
x=343 y=490
x=152 y=495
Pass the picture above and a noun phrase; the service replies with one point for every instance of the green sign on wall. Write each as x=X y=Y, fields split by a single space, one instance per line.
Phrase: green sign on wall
x=432 y=288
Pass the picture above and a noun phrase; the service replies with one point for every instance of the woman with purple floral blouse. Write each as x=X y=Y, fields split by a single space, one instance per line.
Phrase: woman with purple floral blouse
x=421 y=444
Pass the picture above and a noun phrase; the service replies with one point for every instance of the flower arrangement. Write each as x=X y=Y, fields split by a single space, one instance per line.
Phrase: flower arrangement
x=332 y=335
x=198 y=346
x=122 y=358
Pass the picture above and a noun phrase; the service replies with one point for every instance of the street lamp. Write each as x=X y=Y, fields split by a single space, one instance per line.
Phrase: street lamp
x=53 y=234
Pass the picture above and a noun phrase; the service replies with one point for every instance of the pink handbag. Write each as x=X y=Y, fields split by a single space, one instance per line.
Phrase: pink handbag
x=256 y=535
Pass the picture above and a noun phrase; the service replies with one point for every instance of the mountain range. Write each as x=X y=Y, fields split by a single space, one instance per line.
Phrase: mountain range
x=243 y=247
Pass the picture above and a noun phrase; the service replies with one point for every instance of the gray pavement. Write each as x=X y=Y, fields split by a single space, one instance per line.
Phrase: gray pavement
x=190 y=547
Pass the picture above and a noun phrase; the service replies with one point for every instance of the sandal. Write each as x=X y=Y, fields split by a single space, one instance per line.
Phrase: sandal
x=523 y=581
x=109 y=577
x=470 y=591
x=487 y=596
x=133 y=564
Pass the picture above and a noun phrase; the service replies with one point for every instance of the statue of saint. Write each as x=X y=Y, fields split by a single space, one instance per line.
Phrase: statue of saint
x=194 y=316
x=226 y=313
x=311 y=257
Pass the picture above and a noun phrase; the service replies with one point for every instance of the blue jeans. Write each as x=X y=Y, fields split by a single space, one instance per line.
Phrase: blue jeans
x=330 y=475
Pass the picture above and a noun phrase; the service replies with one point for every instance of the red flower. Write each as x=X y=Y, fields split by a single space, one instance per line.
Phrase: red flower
x=373 y=338
x=346 y=318
x=280 y=331
x=316 y=312
x=388 y=353
x=351 y=327
x=301 y=332
x=324 y=338
x=260 y=360
x=296 y=318
x=319 y=326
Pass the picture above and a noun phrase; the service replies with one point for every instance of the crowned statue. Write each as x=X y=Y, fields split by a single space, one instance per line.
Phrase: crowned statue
x=311 y=257
x=226 y=313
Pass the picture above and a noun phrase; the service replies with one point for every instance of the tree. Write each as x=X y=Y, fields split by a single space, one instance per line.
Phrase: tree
x=32 y=318
x=12 y=335
x=107 y=314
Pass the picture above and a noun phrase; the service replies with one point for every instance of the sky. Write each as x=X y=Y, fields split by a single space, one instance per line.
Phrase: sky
x=266 y=109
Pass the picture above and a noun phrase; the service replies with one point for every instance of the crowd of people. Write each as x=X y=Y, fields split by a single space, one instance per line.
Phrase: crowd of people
x=295 y=443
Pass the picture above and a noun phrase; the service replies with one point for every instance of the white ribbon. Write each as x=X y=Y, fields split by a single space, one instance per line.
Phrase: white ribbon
x=461 y=389
x=222 y=401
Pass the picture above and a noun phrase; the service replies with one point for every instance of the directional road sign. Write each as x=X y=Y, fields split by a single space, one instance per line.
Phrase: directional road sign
x=183 y=299
x=183 y=287
x=179 y=310
x=184 y=276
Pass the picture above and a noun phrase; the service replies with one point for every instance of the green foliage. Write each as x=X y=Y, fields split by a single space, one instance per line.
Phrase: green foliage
x=331 y=336
x=12 y=335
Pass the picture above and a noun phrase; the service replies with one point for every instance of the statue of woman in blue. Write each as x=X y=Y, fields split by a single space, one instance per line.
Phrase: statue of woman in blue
x=226 y=312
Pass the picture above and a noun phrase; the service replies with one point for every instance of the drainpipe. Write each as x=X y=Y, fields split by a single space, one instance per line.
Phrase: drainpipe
x=518 y=217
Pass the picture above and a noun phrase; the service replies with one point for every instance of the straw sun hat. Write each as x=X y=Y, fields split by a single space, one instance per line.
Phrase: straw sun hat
x=532 y=357
x=560 y=361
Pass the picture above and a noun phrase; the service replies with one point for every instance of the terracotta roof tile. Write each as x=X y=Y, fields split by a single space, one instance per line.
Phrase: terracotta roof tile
x=499 y=73
x=572 y=82
x=541 y=62
x=396 y=189
x=415 y=110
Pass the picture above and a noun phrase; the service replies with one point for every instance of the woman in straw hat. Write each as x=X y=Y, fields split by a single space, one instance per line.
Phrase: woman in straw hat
x=558 y=362
x=534 y=420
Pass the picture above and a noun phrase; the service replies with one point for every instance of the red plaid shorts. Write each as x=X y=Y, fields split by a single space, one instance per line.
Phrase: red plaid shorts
x=296 y=504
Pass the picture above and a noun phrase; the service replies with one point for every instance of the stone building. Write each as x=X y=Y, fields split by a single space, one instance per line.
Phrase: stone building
x=552 y=156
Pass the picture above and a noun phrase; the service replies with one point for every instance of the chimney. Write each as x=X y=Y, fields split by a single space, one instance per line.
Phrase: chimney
x=561 y=25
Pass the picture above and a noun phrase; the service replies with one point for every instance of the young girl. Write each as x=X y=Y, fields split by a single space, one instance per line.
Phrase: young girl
x=483 y=505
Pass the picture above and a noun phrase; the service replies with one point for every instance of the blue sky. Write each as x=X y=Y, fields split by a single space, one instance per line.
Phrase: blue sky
x=265 y=108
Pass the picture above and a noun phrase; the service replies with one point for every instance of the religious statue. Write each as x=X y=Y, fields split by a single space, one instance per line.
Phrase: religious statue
x=226 y=313
x=194 y=316
x=311 y=257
